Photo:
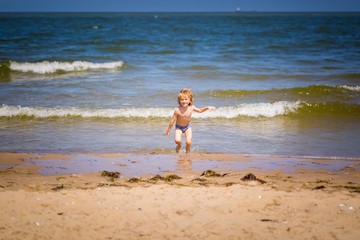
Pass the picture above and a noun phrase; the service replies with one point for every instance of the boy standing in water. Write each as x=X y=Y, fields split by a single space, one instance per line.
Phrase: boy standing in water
x=182 y=117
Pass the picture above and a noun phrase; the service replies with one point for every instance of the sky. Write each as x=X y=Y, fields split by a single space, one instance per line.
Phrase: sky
x=177 y=5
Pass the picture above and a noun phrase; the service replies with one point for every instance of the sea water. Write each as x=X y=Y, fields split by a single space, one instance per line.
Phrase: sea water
x=283 y=83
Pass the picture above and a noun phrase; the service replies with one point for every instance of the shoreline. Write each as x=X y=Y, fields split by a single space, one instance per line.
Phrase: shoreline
x=139 y=164
x=307 y=202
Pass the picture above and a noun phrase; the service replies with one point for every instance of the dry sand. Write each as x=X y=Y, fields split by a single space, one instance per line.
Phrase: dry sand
x=302 y=204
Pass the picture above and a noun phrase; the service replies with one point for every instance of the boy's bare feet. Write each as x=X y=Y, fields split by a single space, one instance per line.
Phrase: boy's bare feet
x=177 y=149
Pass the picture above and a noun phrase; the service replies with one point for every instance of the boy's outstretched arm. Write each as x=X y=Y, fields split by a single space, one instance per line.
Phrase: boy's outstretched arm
x=172 y=121
x=203 y=109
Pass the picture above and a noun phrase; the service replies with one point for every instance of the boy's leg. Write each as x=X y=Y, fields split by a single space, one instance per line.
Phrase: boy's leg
x=178 y=134
x=188 y=135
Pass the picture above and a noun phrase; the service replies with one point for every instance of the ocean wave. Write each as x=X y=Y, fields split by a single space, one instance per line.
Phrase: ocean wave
x=253 y=110
x=47 y=67
x=250 y=110
x=267 y=110
x=313 y=90
x=329 y=108
x=40 y=112
x=351 y=88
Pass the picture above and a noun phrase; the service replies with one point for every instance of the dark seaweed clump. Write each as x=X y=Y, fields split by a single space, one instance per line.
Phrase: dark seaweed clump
x=168 y=178
x=211 y=173
x=110 y=174
x=134 y=180
x=57 y=188
x=252 y=177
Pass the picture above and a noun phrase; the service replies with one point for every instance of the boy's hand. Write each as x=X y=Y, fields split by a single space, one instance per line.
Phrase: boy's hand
x=211 y=108
x=166 y=133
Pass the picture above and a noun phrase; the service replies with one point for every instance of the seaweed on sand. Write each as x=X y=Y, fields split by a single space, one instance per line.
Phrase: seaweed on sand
x=168 y=178
x=111 y=175
x=134 y=180
x=154 y=179
x=252 y=177
x=198 y=180
x=319 y=187
x=211 y=173
x=352 y=189
x=57 y=188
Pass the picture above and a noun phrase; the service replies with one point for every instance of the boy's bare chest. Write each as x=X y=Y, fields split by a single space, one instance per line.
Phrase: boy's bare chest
x=185 y=113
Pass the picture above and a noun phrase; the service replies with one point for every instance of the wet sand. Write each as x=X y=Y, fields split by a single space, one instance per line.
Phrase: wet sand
x=168 y=196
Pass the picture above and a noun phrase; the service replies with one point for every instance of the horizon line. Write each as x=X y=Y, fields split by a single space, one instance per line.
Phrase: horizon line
x=242 y=11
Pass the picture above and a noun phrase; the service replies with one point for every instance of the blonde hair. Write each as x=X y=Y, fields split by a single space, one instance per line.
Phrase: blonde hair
x=186 y=92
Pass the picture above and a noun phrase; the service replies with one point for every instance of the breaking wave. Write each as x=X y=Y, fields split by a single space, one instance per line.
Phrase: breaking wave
x=268 y=110
x=47 y=67
x=250 y=110
x=351 y=88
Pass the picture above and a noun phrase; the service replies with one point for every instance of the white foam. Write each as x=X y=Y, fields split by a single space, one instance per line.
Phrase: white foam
x=13 y=111
x=251 y=110
x=351 y=88
x=46 y=67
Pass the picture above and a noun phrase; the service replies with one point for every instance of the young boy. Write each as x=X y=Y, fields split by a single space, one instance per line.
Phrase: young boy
x=182 y=117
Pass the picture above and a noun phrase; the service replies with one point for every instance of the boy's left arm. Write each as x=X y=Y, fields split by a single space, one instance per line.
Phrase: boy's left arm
x=203 y=109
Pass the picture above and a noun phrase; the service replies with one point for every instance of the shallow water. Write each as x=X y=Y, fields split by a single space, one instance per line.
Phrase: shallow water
x=139 y=165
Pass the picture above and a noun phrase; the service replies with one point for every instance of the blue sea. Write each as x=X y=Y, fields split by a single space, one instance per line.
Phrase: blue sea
x=283 y=83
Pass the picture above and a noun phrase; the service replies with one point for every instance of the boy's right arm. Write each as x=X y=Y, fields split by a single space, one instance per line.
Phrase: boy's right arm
x=172 y=121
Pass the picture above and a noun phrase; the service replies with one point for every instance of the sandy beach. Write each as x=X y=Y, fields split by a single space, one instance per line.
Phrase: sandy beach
x=300 y=203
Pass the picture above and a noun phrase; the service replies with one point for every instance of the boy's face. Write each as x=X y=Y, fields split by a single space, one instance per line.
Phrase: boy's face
x=184 y=101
